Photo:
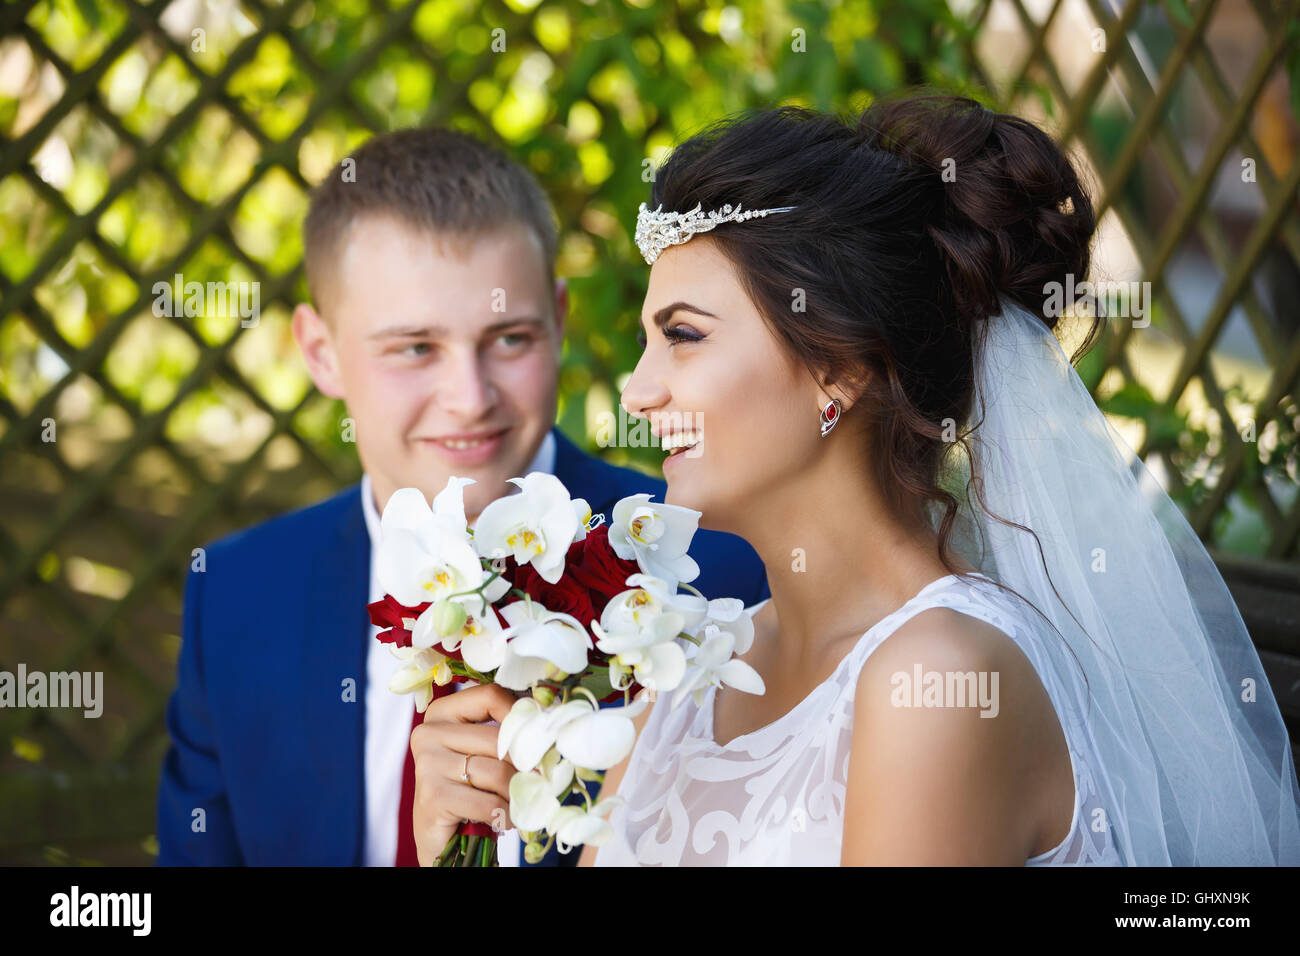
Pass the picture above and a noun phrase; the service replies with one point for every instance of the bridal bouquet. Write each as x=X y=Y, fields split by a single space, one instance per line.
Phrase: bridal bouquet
x=567 y=612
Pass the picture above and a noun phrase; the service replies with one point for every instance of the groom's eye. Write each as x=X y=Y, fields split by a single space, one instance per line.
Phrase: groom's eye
x=416 y=349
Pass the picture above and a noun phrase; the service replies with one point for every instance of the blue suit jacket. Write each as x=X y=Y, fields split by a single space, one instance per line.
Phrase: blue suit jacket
x=263 y=739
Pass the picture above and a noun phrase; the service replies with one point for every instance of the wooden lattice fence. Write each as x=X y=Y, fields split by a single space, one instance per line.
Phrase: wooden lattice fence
x=142 y=140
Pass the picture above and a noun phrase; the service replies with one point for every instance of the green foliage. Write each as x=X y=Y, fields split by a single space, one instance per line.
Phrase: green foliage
x=589 y=96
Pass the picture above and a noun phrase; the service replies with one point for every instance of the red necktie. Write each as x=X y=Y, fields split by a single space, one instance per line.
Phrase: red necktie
x=406 y=855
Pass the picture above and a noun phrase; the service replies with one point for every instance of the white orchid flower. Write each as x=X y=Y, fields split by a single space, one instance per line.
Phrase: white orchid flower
x=583 y=734
x=534 y=794
x=656 y=536
x=426 y=565
x=421 y=668
x=650 y=612
x=531 y=801
x=425 y=553
x=730 y=614
x=529 y=730
x=574 y=826
x=659 y=667
x=638 y=629
x=558 y=771
x=582 y=511
x=536 y=526
x=537 y=642
x=601 y=737
x=713 y=666
x=480 y=639
x=408 y=509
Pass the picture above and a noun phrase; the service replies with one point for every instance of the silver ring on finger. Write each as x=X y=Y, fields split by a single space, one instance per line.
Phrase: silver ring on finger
x=464 y=774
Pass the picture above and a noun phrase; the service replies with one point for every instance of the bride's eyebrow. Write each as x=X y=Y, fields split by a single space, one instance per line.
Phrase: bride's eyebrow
x=666 y=313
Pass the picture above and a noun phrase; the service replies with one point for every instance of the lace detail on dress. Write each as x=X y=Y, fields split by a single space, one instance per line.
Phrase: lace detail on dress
x=776 y=796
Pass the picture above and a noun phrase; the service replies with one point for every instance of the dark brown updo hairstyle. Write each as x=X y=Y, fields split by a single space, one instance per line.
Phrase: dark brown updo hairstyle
x=911 y=221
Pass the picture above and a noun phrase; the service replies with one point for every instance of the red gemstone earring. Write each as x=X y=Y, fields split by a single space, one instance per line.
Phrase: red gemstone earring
x=830 y=416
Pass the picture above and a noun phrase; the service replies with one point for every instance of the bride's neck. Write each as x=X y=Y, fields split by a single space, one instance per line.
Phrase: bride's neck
x=838 y=556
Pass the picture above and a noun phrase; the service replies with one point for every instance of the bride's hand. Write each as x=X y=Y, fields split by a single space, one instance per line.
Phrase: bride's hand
x=453 y=730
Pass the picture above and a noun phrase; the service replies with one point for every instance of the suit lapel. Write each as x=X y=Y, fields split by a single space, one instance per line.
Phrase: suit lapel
x=334 y=650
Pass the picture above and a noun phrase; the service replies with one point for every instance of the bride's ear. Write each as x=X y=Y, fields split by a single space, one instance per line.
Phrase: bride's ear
x=847 y=391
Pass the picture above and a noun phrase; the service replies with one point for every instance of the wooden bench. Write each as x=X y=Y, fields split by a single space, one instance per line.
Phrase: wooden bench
x=1268 y=596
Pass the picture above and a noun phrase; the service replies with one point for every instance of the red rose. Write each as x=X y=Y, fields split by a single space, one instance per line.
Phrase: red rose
x=391 y=615
x=597 y=567
x=565 y=596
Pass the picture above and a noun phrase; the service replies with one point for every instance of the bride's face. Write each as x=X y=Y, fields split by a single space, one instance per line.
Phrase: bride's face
x=712 y=372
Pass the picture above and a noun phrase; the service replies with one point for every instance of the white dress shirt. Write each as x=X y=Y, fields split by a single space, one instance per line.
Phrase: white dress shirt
x=388 y=715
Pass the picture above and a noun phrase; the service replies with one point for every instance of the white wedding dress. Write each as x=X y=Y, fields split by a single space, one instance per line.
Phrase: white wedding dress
x=775 y=797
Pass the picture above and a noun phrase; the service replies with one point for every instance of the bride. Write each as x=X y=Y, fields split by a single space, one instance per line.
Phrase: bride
x=991 y=638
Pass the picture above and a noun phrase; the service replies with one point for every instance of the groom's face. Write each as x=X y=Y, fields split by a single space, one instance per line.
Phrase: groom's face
x=446 y=351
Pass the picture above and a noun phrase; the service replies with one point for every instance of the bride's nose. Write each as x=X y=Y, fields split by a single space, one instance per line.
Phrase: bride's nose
x=642 y=391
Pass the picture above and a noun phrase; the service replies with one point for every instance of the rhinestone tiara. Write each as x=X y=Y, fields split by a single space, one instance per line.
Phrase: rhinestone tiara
x=657 y=230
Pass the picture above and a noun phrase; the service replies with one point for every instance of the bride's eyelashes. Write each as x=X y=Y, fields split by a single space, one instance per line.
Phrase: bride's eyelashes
x=674 y=335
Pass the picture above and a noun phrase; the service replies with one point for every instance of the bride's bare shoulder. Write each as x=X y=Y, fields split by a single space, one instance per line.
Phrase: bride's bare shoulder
x=960 y=651
x=921 y=733
x=946 y=635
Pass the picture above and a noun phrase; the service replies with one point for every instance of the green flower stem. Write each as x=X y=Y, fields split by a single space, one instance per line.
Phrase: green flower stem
x=448 y=855
x=464 y=670
x=479 y=590
x=590 y=696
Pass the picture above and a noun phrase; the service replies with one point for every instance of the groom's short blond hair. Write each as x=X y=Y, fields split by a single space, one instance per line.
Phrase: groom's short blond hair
x=444 y=182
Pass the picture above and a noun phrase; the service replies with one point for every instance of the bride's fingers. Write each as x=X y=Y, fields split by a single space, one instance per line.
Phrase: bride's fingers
x=486 y=772
x=472 y=705
x=462 y=738
x=450 y=803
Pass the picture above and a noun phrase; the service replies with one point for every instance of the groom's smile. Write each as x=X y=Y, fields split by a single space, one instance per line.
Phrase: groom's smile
x=467 y=448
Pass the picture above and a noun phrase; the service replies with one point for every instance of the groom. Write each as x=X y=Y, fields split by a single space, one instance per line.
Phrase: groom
x=430 y=261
